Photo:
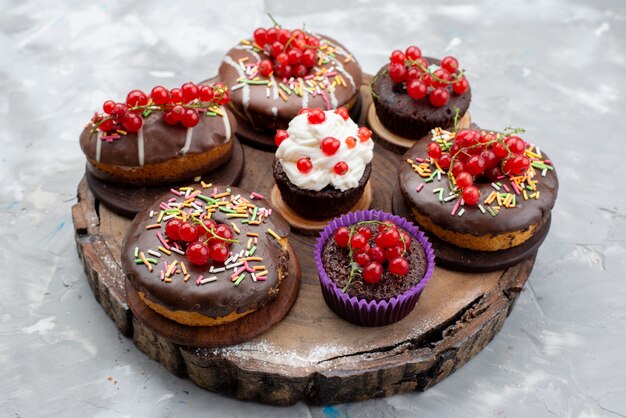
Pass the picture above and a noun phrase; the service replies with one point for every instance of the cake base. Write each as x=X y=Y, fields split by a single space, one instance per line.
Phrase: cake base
x=236 y=332
x=311 y=226
x=462 y=259
x=397 y=143
x=129 y=201
x=264 y=140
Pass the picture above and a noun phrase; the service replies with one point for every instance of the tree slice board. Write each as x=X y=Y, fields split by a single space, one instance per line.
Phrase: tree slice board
x=244 y=329
x=129 y=201
x=395 y=142
x=312 y=354
x=456 y=258
x=309 y=226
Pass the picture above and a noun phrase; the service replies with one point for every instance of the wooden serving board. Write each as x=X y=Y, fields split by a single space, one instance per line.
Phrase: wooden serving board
x=312 y=354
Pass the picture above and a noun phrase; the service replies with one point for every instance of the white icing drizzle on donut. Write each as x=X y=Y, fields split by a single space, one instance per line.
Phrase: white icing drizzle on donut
x=184 y=150
x=227 y=131
x=140 y=147
x=305 y=99
x=274 y=87
x=246 y=88
x=333 y=99
x=99 y=145
x=275 y=111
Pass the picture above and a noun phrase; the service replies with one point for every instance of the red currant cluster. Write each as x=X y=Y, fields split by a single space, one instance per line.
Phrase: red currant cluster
x=204 y=241
x=411 y=68
x=371 y=251
x=473 y=155
x=294 y=52
x=179 y=105
x=329 y=145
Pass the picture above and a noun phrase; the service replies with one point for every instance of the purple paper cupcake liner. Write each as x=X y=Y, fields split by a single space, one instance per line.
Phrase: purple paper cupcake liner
x=357 y=310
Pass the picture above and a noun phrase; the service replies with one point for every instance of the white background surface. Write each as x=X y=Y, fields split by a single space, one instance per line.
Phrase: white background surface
x=555 y=68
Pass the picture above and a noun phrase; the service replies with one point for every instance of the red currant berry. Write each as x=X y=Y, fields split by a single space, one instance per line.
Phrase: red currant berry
x=119 y=110
x=300 y=71
x=500 y=150
x=427 y=79
x=316 y=116
x=471 y=195
x=397 y=72
x=341 y=168
x=413 y=73
x=132 y=122
x=494 y=174
x=475 y=165
x=387 y=225
x=464 y=179
x=283 y=36
x=387 y=238
x=280 y=136
x=172 y=229
x=412 y=53
x=188 y=232
x=406 y=239
x=350 y=142
x=434 y=150
x=219 y=252
x=304 y=165
x=457 y=167
x=106 y=125
x=364 y=133
x=295 y=55
x=439 y=97
x=362 y=258
x=394 y=251
x=108 y=106
x=421 y=63
x=450 y=64
x=444 y=161
x=209 y=225
x=460 y=86
x=260 y=37
x=190 y=118
x=308 y=58
x=376 y=254
x=282 y=71
x=397 y=56
x=343 y=112
x=372 y=273
x=198 y=254
x=282 y=58
x=516 y=145
x=441 y=78
x=206 y=93
x=224 y=231
x=173 y=116
x=225 y=98
x=358 y=241
x=330 y=145
x=176 y=95
x=342 y=236
x=266 y=68
x=365 y=231
x=276 y=49
x=399 y=266
x=160 y=95
x=271 y=35
x=490 y=157
x=190 y=92
x=312 y=41
x=416 y=89
x=516 y=165
x=136 y=98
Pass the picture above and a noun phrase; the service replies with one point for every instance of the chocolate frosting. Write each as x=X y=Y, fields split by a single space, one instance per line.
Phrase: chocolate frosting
x=217 y=298
x=162 y=141
x=473 y=221
x=251 y=101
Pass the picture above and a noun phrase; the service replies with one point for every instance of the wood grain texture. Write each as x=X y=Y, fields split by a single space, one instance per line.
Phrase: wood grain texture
x=312 y=354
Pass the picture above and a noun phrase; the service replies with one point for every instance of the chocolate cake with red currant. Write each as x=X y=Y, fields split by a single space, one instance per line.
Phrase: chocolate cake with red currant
x=278 y=71
x=207 y=256
x=165 y=137
x=479 y=190
x=413 y=94
x=323 y=163
x=373 y=266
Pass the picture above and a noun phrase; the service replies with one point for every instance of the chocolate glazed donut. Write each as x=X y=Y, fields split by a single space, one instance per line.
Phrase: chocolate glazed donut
x=271 y=112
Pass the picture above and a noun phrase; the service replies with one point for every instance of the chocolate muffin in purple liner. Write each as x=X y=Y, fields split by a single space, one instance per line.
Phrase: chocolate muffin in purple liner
x=357 y=289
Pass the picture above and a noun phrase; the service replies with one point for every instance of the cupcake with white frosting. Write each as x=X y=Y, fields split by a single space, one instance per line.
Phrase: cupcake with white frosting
x=323 y=163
